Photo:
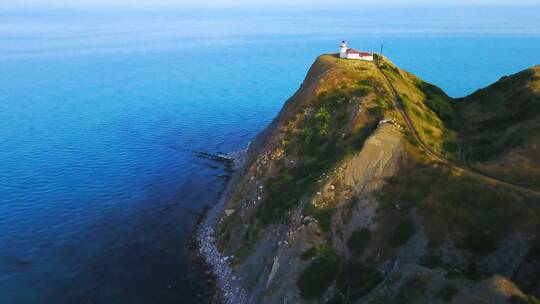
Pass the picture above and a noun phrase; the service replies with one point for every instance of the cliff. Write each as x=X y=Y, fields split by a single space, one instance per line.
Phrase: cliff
x=373 y=186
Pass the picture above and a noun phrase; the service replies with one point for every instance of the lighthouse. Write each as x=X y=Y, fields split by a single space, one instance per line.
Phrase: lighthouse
x=343 y=50
x=347 y=53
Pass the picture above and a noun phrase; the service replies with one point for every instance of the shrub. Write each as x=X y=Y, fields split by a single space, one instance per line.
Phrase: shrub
x=278 y=204
x=376 y=112
x=320 y=274
x=403 y=232
x=411 y=138
x=437 y=101
x=362 y=91
x=308 y=254
x=480 y=243
x=357 y=279
x=359 y=241
x=361 y=135
x=324 y=217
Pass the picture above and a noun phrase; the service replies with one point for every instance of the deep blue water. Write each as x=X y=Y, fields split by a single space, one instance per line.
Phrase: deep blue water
x=101 y=113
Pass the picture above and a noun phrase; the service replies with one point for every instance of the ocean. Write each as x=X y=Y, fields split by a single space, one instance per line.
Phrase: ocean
x=103 y=112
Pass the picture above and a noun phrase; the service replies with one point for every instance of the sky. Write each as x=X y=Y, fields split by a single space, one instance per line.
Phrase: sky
x=248 y=3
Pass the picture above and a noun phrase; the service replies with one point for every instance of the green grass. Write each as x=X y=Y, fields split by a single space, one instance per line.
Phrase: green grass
x=411 y=138
x=319 y=144
x=439 y=103
x=359 y=241
x=320 y=274
x=498 y=117
x=430 y=110
x=455 y=206
x=317 y=147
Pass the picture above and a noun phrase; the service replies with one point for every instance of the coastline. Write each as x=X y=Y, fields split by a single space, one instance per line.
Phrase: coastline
x=226 y=287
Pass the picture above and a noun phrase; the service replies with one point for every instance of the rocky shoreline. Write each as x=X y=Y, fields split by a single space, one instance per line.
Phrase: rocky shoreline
x=226 y=286
x=205 y=276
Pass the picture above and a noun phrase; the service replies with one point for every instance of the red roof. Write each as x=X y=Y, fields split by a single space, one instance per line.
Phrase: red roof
x=362 y=54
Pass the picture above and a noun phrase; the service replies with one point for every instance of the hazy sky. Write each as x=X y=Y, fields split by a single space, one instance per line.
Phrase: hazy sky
x=246 y=3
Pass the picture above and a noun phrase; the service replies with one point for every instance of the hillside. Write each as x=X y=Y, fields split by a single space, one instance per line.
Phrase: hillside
x=502 y=123
x=373 y=186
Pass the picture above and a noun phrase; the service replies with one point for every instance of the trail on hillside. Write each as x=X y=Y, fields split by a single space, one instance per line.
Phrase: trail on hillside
x=466 y=167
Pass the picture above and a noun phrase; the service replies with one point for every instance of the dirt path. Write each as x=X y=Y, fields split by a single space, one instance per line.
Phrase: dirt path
x=432 y=153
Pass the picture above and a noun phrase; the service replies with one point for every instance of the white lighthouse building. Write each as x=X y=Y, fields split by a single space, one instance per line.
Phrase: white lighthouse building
x=348 y=53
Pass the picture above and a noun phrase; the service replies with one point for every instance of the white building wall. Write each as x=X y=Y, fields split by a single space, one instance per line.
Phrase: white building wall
x=343 y=52
x=367 y=58
x=357 y=56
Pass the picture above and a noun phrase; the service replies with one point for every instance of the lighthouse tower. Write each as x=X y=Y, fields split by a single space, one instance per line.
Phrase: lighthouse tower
x=343 y=49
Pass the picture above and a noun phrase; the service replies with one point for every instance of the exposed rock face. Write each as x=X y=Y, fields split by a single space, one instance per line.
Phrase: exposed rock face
x=337 y=201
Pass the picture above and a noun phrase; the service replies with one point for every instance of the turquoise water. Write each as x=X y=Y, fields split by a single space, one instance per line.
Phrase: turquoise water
x=101 y=113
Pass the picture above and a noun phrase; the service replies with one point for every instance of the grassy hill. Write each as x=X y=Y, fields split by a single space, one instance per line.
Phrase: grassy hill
x=502 y=127
x=341 y=189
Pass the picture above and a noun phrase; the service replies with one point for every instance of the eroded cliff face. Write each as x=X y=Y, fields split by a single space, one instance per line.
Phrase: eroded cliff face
x=338 y=202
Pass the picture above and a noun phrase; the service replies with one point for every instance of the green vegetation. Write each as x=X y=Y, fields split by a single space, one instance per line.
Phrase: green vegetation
x=357 y=279
x=411 y=138
x=308 y=254
x=454 y=206
x=500 y=116
x=439 y=103
x=359 y=241
x=402 y=233
x=515 y=299
x=278 y=203
x=318 y=151
x=320 y=274
x=317 y=141
x=324 y=217
x=430 y=110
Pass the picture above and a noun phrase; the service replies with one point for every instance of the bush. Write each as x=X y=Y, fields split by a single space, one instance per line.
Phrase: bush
x=308 y=254
x=402 y=233
x=357 y=279
x=480 y=243
x=320 y=274
x=411 y=138
x=324 y=217
x=361 y=135
x=278 y=204
x=359 y=241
